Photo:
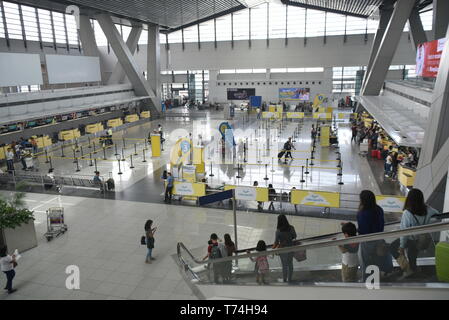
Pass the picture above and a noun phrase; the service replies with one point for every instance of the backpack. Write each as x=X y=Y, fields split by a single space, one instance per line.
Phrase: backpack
x=287 y=146
x=215 y=252
x=423 y=240
x=110 y=184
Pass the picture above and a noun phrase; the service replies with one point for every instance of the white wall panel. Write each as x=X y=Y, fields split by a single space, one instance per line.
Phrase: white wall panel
x=72 y=69
x=20 y=69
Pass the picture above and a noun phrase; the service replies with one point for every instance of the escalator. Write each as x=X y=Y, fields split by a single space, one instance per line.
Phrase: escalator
x=319 y=276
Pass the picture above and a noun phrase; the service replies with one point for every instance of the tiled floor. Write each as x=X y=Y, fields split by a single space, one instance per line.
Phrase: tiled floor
x=103 y=240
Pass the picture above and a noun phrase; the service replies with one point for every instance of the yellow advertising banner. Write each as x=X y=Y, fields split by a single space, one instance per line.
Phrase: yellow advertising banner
x=316 y=198
x=145 y=114
x=247 y=192
x=295 y=115
x=391 y=203
x=272 y=108
x=271 y=115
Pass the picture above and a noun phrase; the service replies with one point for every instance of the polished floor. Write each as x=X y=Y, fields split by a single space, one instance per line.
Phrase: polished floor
x=103 y=240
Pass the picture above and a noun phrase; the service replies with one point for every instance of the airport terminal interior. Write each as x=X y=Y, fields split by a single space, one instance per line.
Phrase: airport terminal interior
x=192 y=150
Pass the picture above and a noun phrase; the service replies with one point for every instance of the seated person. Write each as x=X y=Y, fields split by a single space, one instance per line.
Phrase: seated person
x=97 y=180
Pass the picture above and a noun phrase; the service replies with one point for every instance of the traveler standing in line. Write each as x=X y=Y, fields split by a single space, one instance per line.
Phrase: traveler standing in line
x=10 y=160
x=258 y=112
x=230 y=249
x=388 y=164
x=394 y=166
x=416 y=213
x=370 y=219
x=285 y=234
x=354 y=133
x=7 y=264
x=271 y=196
x=159 y=129
x=169 y=188
x=149 y=237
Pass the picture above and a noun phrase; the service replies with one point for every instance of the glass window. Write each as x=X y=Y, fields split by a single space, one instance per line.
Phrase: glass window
x=372 y=25
x=335 y=24
x=276 y=20
x=100 y=38
x=126 y=31
x=259 y=21
x=259 y=70
x=58 y=23
x=2 y=29
x=241 y=25
x=227 y=71
x=313 y=69
x=295 y=69
x=274 y=70
x=180 y=72
x=45 y=25
x=243 y=70
x=355 y=25
x=72 y=31
x=427 y=20
x=30 y=23
x=207 y=32
x=13 y=20
x=296 y=22
x=191 y=34
x=162 y=38
x=144 y=37
x=224 y=28
x=175 y=37
x=315 y=23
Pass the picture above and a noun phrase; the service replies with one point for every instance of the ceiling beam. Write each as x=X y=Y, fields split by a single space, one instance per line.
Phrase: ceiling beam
x=309 y=6
x=217 y=15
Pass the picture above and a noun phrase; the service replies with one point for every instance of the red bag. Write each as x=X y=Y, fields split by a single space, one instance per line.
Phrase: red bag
x=379 y=155
x=373 y=153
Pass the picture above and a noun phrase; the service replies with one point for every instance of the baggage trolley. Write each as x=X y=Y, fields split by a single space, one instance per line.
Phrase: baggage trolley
x=55 y=222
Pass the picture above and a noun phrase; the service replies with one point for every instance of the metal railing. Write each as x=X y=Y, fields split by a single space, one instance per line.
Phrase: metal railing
x=429 y=228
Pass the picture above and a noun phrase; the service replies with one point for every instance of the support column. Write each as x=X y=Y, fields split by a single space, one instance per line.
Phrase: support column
x=127 y=61
x=118 y=74
x=385 y=14
x=417 y=32
x=434 y=159
x=89 y=45
x=154 y=60
x=390 y=40
x=440 y=18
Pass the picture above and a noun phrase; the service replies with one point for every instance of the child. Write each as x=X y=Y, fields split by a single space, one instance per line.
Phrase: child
x=262 y=268
x=350 y=260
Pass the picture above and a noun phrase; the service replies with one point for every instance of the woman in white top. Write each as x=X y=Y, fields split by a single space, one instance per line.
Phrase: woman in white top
x=416 y=213
x=388 y=163
x=7 y=264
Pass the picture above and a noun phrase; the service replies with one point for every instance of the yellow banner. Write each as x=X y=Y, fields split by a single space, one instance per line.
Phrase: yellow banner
x=261 y=193
x=326 y=115
x=295 y=115
x=272 y=115
x=316 y=198
x=391 y=203
x=319 y=98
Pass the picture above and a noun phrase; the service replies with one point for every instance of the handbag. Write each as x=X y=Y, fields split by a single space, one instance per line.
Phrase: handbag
x=300 y=255
x=143 y=240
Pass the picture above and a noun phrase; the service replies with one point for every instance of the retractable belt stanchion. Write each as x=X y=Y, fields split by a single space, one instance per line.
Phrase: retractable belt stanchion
x=62 y=150
x=266 y=172
x=116 y=153
x=124 y=145
x=95 y=163
x=340 y=174
x=123 y=154
x=131 y=159
x=88 y=139
x=119 y=167
x=82 y=152
x=302 y=175
x=51 y=164
x=90 y=158
x=104 y=153
x=77 y=166
x=143 y=153
x=307 y=167
x=272 y=165
x=46 y=156
x=135 y=149
x=74 y=156
x=93 y=145
x=211 y=174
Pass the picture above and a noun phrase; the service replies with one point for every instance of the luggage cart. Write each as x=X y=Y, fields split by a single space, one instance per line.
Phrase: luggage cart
x=55 y=222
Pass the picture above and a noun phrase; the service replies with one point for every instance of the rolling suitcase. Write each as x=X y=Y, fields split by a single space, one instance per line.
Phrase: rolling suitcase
x=442 y=261
x=373 y=153
x=281 y=154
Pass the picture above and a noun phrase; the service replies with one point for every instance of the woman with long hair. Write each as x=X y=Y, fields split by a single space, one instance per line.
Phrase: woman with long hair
x=370 y=219
x=230 y=249
x=416 y=213
x=285 y=234
x=149 y=235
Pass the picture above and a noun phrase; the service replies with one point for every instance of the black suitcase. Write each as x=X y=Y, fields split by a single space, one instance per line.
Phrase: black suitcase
x=281 y=154
x=110 y=183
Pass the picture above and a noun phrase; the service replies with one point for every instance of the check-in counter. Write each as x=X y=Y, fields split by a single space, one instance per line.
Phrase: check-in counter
x=69 y=134
x=406 y=175
x=44 y=141
x=131 y=118
x=112 y=123
x=145 y=114
x=93 y=128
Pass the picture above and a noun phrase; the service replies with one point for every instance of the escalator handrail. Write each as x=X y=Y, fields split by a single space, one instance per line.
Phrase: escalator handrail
x=329 y=235
x=428 y=228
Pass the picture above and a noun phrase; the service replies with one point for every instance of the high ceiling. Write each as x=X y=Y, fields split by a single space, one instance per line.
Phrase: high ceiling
x=362 y=8
x=173 y=14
